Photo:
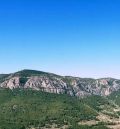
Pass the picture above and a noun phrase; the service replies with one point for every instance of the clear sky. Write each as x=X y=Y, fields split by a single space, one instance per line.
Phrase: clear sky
x=68 y=37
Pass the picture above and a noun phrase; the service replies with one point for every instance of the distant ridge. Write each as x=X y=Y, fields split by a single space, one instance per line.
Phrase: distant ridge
x=49 y=82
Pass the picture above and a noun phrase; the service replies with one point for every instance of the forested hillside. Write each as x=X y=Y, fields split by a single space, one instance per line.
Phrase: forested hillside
x=24 y=109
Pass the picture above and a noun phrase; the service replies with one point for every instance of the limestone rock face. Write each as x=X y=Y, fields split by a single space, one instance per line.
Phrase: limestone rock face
x=52 y=83
x=11 y=83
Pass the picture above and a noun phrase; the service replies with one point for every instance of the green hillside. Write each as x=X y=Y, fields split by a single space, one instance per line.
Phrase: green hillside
x=115 y=97
x=26 y=109
x=3 y=76
x=29 y=73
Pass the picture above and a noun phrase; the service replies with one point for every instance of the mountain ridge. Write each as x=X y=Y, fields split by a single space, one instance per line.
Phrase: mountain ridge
x=53 y=83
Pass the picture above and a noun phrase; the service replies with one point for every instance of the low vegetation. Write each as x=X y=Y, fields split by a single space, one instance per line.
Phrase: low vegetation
x=24 y=109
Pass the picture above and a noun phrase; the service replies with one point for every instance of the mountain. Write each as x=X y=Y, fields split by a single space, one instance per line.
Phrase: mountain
x=31 y=99
x=49 y=82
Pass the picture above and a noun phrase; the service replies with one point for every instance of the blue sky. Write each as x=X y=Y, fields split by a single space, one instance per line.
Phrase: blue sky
x=68 y=37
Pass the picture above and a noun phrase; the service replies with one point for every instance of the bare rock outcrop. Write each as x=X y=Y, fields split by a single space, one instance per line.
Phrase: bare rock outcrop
x=52 y=83
x=11 y=83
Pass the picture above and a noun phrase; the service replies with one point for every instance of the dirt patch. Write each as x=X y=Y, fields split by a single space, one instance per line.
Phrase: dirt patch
x=89 y=123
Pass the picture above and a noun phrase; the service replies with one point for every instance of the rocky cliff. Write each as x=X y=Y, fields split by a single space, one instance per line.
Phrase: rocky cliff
x=52 y=83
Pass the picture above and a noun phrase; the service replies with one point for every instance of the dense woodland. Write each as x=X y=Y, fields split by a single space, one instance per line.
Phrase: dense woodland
x=22 y=109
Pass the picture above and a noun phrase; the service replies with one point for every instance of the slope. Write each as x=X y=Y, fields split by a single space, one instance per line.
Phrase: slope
x=24 y=109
